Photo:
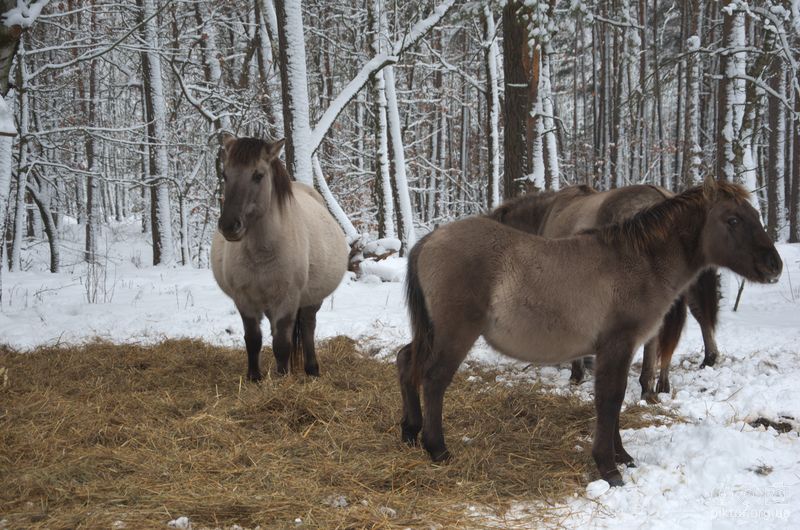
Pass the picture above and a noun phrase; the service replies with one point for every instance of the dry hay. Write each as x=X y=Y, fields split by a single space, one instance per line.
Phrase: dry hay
x=101 y=433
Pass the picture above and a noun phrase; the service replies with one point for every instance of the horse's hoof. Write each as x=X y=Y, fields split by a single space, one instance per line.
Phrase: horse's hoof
x=410 y=437
x=662 y=388
x=441 y=456
x=708 y=361
x=576 y=380
x=615 y=480
x=312 y=371
x=650 y=397
x=254 y=377
x=625 y=459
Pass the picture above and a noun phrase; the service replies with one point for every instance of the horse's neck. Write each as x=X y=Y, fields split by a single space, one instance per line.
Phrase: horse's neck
x=268 y=235
x=679 y=258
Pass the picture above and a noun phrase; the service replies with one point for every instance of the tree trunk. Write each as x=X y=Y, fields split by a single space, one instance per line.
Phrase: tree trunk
x=492 y=106
x=294 y=83
x=158 y=167
x=515 y=103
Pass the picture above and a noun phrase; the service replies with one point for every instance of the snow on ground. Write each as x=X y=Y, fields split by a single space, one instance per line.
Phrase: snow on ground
x=714 y=470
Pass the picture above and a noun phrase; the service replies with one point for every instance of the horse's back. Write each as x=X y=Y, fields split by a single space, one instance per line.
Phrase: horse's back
x=623 y=203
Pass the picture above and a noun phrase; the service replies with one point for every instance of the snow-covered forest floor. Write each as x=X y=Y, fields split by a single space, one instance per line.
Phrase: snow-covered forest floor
x=713 y=469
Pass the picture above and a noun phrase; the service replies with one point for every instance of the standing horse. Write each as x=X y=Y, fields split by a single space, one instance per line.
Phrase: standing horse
x=278 y=252
x=571 y=210
x=604 y=291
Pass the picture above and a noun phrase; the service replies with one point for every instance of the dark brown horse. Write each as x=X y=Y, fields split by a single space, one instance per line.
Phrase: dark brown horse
x=604 y=291
x=570 y=210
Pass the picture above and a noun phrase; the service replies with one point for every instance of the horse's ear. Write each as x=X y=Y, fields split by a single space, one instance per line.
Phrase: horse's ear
x=227 y=141
x=273 y=150
x=710 y=188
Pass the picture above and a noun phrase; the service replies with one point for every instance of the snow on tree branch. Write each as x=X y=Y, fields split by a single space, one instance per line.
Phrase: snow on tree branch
x=346 y=95
x=419 y=30
x=24 y=14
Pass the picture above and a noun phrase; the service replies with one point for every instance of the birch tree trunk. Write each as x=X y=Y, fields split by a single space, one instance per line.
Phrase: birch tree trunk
x=21 y=210
x=549 y=141
x=386 y=227
x=731 y=93
x=492 y=106
x=294 y=82
x=408 y=236
x=158 y=166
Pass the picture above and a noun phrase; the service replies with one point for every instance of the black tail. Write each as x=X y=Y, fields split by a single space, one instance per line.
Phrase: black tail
x=421 y=325
x=297 y=359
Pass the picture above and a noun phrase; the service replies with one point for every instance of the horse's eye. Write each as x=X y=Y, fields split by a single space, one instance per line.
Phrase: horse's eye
x=257 y=177
x=733 y=221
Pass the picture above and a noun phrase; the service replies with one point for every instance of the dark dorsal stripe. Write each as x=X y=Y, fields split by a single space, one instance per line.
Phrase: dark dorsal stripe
x=248 y=151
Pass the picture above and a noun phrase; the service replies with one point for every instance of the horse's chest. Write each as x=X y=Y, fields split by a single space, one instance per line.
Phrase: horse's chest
x=257 y=287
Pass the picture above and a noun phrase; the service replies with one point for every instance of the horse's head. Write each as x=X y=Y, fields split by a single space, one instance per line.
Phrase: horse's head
x=733 y=236
x=252 y=174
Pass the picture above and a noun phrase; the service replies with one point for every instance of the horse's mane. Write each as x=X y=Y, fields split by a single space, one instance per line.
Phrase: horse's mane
x=248 y=151
x=533 y=207
x=659 y=221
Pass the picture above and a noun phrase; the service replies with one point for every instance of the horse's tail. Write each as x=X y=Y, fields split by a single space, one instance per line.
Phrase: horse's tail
x=421 y=325
x=297 y=360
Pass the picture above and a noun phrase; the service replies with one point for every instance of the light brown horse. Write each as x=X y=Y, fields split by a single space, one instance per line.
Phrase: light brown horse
x=278 y=252
x=604 y=291
x=571 y=210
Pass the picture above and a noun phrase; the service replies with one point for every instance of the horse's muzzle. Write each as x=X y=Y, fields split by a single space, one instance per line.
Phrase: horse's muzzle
x=770 y=266
x=233 y=231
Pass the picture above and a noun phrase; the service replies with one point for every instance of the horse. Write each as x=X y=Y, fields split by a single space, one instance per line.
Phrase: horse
x=277 y=253
x=603 y=291
x=571 y=210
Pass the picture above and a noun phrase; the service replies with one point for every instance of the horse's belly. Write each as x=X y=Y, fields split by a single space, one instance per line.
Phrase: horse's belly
x=538 y=330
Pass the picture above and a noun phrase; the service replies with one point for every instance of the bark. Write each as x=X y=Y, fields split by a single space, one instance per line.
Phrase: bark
x=515 y=103
x=158 y=165
x=492 y=106
x=294 y=83
x=777 y=152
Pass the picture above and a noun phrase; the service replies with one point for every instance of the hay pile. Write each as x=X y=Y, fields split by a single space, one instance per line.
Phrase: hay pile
x=101 y=433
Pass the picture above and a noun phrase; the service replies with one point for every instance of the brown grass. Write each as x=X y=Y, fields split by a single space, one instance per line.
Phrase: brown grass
x=101 y=433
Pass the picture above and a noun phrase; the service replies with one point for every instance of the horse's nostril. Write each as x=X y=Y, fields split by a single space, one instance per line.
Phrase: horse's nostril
x=773 y=261
x=237 y=225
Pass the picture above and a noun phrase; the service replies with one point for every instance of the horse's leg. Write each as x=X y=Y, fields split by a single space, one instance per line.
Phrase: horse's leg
x=611 y=378
x=704 y=304
x=450 y=348
x=411 y=423
x=578 y=371
x=283 y=341
x=649 y=370
x=668 y=339
x=252 y=341
x=308 y=323
x=621 y=456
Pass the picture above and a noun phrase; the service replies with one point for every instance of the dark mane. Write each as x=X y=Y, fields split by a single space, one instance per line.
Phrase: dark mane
x=658 y=222
x=248 y=151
